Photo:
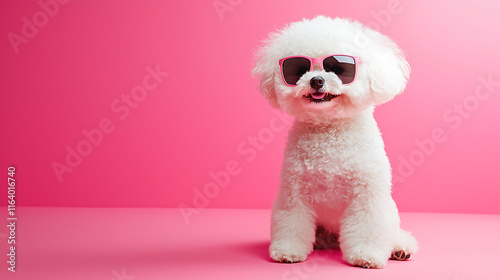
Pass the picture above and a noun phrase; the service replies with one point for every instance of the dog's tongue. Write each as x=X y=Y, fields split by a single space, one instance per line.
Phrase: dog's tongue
x=318 y=95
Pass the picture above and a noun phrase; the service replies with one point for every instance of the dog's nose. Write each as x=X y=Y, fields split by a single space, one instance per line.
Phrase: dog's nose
x=317 y=82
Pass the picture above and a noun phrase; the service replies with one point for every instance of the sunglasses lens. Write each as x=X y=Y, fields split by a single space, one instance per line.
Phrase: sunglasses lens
x=343 y=66
x=293 y=68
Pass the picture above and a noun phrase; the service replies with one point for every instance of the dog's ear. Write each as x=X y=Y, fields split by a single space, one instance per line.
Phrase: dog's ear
x=265 y=72
x=387 y=69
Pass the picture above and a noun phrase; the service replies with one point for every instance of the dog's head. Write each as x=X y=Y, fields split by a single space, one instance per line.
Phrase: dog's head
x=338 y=69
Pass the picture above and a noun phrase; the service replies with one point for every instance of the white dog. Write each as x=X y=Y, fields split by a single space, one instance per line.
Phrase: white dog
x=336 y=179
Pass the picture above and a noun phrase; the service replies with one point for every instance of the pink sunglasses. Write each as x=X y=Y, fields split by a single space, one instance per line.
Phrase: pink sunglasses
x=344 y=66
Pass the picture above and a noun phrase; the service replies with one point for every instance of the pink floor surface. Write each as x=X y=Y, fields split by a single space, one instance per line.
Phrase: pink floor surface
x=149 y=244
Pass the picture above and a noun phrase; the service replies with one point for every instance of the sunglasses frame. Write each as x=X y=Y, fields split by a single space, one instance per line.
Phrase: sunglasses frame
x=319 y=61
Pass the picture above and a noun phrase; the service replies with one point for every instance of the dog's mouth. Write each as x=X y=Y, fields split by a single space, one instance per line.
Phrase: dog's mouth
x=320 y=97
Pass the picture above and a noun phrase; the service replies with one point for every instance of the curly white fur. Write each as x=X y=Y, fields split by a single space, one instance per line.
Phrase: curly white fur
x=336 y=173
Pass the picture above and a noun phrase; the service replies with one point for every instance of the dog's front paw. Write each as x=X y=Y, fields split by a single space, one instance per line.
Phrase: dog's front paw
x=367 y=259
x=287 y=255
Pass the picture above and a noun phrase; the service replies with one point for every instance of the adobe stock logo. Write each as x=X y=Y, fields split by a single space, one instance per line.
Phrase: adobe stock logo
x=223 y=6
x=247 y=151
x=29 y=30
x=122 y=108
x=380 y=19
x=453 y=117
x=121 y=275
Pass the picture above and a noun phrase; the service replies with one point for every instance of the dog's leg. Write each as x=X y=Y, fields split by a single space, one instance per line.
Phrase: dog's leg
x=368 y=229
x=292 y=230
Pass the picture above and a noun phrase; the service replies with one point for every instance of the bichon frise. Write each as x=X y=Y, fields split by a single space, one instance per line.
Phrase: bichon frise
x=329 y=74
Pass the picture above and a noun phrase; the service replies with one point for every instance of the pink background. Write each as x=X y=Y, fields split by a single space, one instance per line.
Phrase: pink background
x=203 y=115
